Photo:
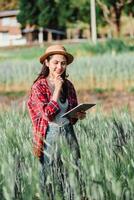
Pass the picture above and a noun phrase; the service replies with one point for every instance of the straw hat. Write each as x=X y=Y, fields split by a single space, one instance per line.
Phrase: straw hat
x=56 y=49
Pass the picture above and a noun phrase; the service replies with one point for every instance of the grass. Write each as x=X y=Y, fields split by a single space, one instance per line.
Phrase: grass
x=76 y=48
x=106 y=142
x=13 y=94
x=107 y=157
x=108 y=72
x=131 y=90
x=106 y=65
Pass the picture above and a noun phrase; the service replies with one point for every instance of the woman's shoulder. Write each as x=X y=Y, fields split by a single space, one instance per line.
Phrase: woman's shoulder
x=40 y=83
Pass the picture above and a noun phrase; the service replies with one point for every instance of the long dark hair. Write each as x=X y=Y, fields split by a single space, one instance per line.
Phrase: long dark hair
x=45 y=72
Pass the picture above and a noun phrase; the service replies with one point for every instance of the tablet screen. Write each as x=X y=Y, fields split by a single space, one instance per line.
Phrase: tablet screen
x=80 y=107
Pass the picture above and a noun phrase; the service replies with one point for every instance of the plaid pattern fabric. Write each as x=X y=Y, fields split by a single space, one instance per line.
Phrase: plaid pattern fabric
x=42 y=109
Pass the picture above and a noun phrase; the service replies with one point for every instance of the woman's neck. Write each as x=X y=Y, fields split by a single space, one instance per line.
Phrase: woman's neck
x=50 y=81
x=50 y=78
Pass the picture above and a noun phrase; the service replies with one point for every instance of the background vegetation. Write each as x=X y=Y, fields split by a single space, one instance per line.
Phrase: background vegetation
x=106 y=141
x=107 y=161
x=106 y=65
x=56 y=14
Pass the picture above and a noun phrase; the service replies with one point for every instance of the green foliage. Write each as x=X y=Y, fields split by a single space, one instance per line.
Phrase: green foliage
x=92 y=67
x=80 y=11
x=28 y=13
x=64 y=12
x=131 y=89
x=129 y=9
x=78 y=49
x=13 y=94
x=117 y=45
x=100 y=90
x=55 y=13
x=107 y=157
x=19 y=178
x=110 y=45
x=112 y=11
x=48 y=14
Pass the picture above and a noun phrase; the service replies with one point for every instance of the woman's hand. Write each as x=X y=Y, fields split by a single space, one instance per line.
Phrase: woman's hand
x=80 y=115
x=58 y=81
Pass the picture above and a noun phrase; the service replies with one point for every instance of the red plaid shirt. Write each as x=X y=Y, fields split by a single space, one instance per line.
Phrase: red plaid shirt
x=42 y=109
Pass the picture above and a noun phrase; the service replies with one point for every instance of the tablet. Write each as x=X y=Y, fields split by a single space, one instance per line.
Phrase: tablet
x=78 y=108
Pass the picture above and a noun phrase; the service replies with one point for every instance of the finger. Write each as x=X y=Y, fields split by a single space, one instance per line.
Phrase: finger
x=59 y=78
x=82 y=115
x=83 y=112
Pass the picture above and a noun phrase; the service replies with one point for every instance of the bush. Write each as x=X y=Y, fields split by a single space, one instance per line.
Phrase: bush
x=109 y=46
x=117 y=45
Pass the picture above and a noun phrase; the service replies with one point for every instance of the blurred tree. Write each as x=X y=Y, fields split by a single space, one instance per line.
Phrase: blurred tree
x=64 y=12
x=8 y=4
x=112 y=11
x=48 y=15
x=129 y=9
x=29 y=12
x=44 y=13
x=80 y=11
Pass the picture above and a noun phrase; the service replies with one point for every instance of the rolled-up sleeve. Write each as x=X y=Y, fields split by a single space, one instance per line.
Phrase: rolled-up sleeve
x=46 y=108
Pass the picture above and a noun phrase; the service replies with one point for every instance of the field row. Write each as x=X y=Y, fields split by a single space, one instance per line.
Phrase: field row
x=108 y=71
x=107 y=157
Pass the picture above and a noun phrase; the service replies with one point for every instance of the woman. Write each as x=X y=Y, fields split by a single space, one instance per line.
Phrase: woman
x=52 y=94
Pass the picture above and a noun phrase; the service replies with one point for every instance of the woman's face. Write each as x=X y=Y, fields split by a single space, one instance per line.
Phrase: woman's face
x=57 y=64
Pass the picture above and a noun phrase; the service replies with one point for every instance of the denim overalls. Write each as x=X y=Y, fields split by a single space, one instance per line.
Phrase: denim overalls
x=52 y=165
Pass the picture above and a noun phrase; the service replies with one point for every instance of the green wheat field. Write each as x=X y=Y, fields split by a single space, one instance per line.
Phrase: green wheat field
x=106 y=140
x=107 y=157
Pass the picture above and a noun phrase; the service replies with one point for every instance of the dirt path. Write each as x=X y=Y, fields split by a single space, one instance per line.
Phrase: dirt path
x=107 y=101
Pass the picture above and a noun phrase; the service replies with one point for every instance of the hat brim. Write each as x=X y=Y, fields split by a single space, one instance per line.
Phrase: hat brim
x=69 y=57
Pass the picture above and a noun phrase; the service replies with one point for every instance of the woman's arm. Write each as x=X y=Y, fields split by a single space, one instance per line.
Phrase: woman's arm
x=46 y=107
